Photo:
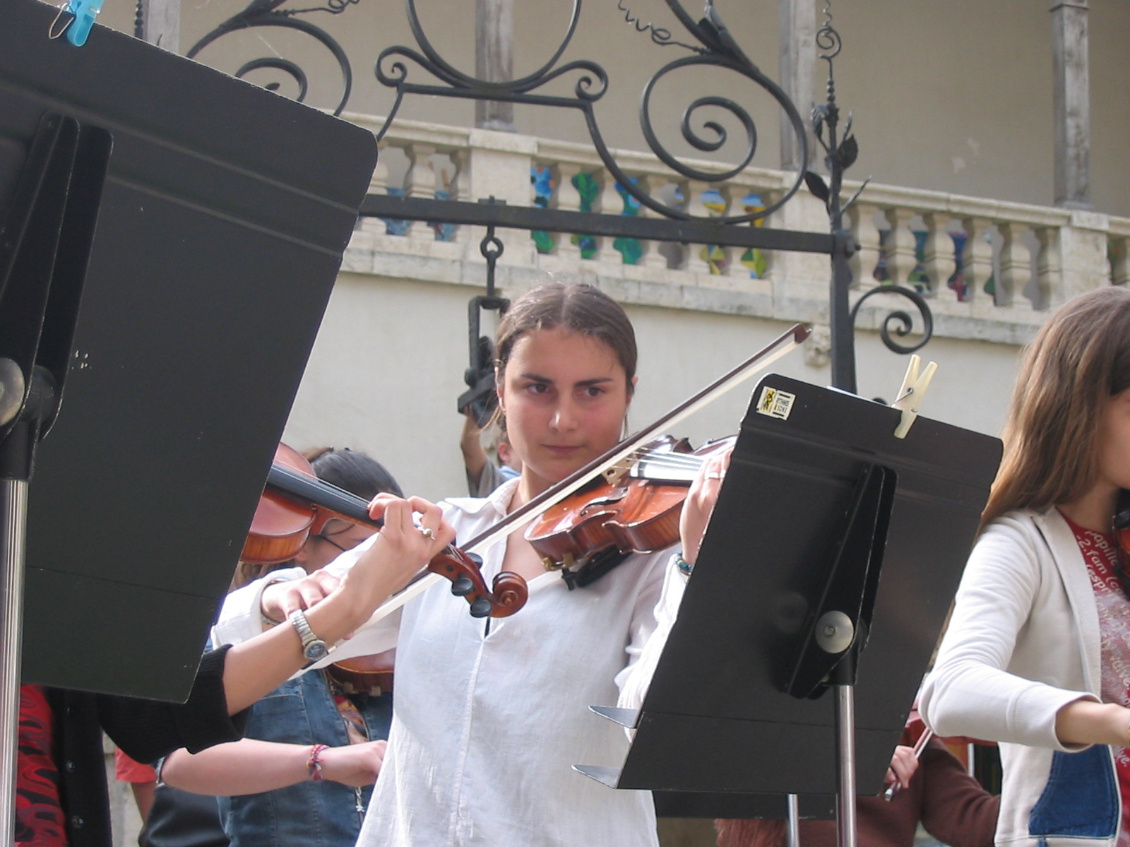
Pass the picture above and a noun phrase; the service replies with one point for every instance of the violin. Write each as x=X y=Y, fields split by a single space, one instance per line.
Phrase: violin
x=370 y=675
x=634 y=508
x=295 y=503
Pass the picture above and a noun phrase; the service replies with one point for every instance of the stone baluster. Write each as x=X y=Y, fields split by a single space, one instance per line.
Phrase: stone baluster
x=938 y=255
x=1120 y=269
x=420 y=182
x=461 y=179
x=867 y=237
x=651 y=185
x=609 y=202
x=1049 y=266
x=567 y=199
x=693 y=256
x=461 y=183
x=1016 y=265
x=901 y=256
x=978 y=261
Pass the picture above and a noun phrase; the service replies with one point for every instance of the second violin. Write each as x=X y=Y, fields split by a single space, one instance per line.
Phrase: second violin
x=296 y=504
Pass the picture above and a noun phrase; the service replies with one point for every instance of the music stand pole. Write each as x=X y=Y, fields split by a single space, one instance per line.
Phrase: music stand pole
x=793 y=804
x=845 y=741
x=13 y=512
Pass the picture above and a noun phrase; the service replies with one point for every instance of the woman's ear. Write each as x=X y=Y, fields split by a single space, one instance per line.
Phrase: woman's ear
x=500 y=389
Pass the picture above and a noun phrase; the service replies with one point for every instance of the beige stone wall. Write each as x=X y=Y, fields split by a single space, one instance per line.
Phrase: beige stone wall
x=388 y=366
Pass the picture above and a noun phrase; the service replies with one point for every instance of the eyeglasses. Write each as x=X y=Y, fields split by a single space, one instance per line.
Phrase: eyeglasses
x=330 y=541
x=352 y=534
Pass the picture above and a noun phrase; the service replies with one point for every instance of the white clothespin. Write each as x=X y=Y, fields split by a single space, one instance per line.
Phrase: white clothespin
x=910 y=395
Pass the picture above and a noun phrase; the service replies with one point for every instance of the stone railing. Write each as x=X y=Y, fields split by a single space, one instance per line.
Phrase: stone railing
x=990 y=269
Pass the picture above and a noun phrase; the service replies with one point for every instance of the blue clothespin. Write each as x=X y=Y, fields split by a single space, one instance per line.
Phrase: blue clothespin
x=83 y=14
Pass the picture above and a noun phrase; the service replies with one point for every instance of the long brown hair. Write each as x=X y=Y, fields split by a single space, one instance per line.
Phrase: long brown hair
x=1078 y=360
x=578 y=308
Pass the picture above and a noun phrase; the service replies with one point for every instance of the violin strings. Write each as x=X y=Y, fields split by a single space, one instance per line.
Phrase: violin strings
x=673 y=460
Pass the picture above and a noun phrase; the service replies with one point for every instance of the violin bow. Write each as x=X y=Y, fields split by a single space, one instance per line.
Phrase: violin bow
x=783 y=344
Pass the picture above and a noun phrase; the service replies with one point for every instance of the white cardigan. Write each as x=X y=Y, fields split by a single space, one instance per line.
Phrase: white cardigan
x=1022 y=643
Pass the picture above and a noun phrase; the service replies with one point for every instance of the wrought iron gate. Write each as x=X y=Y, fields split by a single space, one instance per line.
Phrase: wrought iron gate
x=705 y=42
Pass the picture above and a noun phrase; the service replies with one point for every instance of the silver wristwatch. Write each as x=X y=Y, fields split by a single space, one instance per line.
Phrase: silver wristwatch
x=313 y=648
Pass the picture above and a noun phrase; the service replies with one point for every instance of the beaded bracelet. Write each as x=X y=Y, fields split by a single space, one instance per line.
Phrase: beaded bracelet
x=314 y=763
x=685 y=567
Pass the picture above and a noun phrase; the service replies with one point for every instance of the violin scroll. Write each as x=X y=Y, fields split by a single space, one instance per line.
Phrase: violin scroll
x=464 y=570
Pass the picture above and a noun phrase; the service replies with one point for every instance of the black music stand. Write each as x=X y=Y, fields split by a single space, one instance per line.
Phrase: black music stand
x=826 y=524
x=222 y=222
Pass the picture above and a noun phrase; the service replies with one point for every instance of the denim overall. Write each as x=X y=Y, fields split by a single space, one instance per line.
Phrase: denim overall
x=313 y=814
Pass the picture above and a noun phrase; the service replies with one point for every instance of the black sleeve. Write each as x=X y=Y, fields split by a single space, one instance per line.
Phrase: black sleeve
x=147 y=729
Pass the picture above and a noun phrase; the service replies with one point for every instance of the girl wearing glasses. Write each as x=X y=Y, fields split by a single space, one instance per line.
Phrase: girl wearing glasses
x=326 y=724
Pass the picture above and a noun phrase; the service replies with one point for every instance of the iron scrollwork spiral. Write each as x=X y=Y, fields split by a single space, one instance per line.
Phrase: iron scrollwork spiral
x=392 y=71
x=898 y=322
x=718 y=50
x=266 y=13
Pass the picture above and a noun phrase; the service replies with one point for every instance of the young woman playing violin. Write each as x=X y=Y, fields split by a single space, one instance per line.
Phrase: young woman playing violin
x=1037 y=653
x=317 y=725
x=487 y=724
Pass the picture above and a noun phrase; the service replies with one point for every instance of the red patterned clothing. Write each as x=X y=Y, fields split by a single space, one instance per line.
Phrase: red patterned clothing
x=1114 y=623
x=39 y=814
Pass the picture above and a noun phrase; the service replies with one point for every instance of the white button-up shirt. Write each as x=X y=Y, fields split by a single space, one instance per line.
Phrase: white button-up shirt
x=487 y=726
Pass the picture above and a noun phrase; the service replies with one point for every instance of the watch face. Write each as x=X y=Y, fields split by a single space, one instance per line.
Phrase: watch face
x=315 y=650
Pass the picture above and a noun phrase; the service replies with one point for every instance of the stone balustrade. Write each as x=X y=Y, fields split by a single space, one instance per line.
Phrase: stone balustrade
x=990 y=269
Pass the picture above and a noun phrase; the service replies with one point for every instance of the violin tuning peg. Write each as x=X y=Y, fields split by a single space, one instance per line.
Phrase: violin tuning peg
x=480 y=608
x=462 y=586
x=476 y=559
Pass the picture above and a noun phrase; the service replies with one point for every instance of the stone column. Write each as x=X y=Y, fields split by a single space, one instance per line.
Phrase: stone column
x=494 y=61
x=159 y=23
x=1072 y=105
x=798 y=70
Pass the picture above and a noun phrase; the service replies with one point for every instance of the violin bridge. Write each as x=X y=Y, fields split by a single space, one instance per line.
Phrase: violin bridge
x=615 y=474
